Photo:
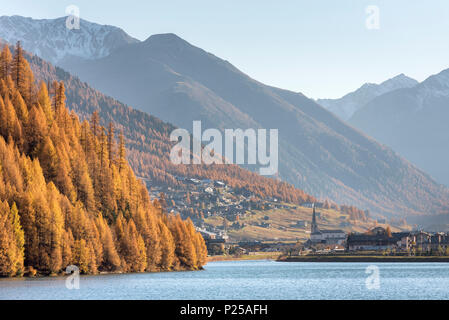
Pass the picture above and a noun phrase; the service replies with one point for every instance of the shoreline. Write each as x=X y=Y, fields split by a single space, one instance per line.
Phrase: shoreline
x=396 y=259
x=39 y=275
x=261 y=256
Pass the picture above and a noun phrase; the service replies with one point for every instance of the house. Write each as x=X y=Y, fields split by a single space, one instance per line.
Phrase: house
x=207 y=235
x=439 y=241
x=422 y=241
x=369 y=242
x=379 y=239
x=338 y=249
x=219 y=184
x=328 y=237
x=213 y=237
x=206 y=181
x=193 y=181
x=301 y=224
x=308 y=204
x=313 y=204
x=264 y=225
x=209 y=190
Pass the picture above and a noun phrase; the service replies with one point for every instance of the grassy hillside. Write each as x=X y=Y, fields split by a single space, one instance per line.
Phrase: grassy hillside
x=283 y=223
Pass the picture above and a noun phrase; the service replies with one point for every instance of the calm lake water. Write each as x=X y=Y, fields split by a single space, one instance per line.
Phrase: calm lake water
x=249 y=280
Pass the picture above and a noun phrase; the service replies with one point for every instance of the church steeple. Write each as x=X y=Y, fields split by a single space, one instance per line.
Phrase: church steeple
x=314 y=224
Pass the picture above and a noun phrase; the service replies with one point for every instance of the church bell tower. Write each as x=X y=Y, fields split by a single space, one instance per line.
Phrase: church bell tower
x=314 y=225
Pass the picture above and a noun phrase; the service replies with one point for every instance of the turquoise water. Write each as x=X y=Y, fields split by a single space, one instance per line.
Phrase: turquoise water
x=249 y=280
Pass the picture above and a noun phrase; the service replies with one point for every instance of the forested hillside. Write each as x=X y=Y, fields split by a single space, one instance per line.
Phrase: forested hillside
x=178 y=82
x=67 y=193
x=148 y=143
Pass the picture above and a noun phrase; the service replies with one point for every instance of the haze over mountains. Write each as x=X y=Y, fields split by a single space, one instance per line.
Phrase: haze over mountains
x=177 y=82
x=408 y=116
x=347 y=105
x=414 y=122
x=148 y=140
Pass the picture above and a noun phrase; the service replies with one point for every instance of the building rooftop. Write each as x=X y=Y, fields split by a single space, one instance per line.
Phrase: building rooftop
x=332 y=231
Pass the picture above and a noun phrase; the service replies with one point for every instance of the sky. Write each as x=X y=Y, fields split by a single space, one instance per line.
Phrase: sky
x=322 y=48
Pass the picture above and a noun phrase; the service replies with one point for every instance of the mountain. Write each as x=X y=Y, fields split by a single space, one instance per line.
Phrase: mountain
x=177 y=82
x=347 y=105
x=413 y=121
x=148 y=141
x=54 y=42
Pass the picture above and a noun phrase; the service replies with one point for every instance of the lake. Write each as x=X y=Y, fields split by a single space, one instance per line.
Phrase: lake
x=250 y=280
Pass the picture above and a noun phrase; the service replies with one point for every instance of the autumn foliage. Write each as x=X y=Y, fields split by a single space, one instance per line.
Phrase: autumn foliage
x=67 y=193
x=355 y=213
x=148 y=141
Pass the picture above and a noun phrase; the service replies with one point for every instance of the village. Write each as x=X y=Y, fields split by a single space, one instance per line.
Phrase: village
x=235 y=222
x=375 y=240
x=200 y=200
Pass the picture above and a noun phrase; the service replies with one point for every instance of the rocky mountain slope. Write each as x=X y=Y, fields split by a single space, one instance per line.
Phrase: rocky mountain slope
x=347 y=105
x=148 y=142
x=177 y=82
x=413 y=122
x=54 y=42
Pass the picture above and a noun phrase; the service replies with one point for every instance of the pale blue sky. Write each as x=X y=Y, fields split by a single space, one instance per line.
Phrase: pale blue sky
x=320 y=48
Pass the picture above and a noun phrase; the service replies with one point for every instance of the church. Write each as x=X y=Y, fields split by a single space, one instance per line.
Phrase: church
x=325 y=236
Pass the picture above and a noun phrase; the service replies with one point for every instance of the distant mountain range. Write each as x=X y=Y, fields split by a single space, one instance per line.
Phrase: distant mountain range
x=408 y=116
x=148 y=143
x=177 y=82
x=53 y=41
x=414 y=122
x=346 y=106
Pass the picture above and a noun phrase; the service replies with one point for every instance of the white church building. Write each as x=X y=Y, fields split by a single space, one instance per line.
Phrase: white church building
x=325 y=236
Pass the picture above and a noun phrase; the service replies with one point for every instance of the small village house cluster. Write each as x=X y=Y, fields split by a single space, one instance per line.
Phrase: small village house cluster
x=380 y=239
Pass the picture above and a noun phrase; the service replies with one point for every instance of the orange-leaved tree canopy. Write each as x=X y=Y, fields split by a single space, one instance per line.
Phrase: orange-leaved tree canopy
x=67 y=193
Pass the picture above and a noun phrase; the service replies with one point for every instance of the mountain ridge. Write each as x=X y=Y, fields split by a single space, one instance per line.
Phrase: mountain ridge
x=347 y=105
x=299 y=119
x=91 y=41
x=411 y=120
x=148 y=142
x=319 y=153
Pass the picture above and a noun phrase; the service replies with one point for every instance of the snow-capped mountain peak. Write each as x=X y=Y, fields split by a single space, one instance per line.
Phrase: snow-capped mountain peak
x=346 y=106
x=53 y=41
x=438 y=83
